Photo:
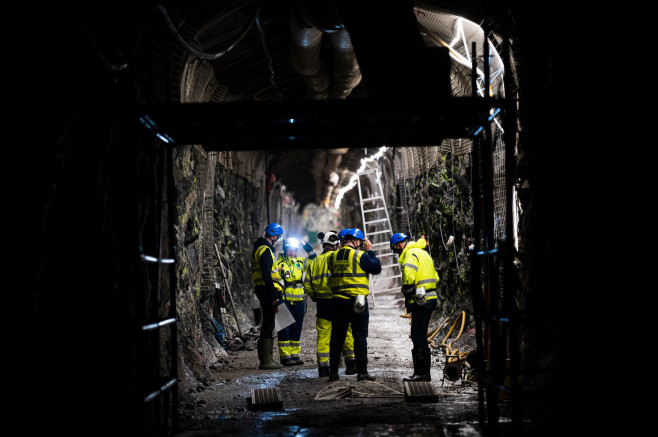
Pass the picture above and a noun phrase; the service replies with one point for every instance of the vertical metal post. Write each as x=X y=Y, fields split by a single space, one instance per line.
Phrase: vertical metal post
x=496 y=358
x=509 y=284
x=476 y=284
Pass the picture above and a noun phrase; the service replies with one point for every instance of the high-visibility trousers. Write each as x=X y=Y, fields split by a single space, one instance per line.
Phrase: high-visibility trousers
x=288 y=338
x=324 y=336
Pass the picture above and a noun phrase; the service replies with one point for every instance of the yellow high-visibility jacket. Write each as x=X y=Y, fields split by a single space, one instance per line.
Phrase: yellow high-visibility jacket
x=291 y=271
x=418 y=269
x=316 y=282
x=257 y=275
x=347 y=276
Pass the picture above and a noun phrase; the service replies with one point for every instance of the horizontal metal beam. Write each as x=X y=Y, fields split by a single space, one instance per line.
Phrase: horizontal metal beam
x=314 y=124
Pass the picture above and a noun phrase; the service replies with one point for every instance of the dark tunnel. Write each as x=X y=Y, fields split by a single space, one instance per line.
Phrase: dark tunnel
x=169 y=134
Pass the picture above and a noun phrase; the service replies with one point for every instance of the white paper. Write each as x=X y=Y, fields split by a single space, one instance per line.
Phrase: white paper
x=283 y=318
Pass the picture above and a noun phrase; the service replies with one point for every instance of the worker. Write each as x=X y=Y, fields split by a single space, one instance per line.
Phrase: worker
x=350 y=267
x=316 y=285
x=268 y=289
x=419 y=282
x=292 y=268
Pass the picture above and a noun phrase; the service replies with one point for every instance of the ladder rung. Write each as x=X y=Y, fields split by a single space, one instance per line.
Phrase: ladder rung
x=368 y=171
x=386 y=277
x=377 y=221
x=387 y=231
x=385 y=254
x=368 y=199
x=384 y=243
x=388 y=266
x=372 y=210
x=388 y=291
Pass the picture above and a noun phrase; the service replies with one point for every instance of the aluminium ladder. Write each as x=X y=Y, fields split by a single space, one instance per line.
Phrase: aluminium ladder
x=377 y=229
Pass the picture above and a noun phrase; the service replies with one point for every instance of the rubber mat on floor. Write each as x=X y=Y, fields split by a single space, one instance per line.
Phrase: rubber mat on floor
x=420 y=391
x=265 y=399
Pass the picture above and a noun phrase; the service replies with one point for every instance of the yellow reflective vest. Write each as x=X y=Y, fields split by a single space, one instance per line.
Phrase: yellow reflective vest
x=347 y=276
x=316 y=282
x=257 y=275
x=418 y=269
x=291 y=271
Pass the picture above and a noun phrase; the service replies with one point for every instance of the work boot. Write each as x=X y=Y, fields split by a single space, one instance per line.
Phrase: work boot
x=350 y=367
x=333 y=376
x=362 y=369
x=323 y=372
x=265 y=355
x=421 y=358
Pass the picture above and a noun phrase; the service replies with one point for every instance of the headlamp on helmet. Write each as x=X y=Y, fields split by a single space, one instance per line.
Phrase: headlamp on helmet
x=290 y=243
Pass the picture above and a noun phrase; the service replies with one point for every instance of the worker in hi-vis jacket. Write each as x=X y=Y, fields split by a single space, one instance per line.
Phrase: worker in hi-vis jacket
x=268 y=289
x=316 y=285
x=291 y=269
x=419 y=282
x=350 y=267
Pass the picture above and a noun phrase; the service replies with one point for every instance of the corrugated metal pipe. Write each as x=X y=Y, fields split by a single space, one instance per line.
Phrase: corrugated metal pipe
x=310 y=22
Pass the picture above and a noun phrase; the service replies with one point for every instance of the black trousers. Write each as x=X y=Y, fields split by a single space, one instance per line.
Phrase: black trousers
x=342 y=315
x=265 y=299
x=420 y=322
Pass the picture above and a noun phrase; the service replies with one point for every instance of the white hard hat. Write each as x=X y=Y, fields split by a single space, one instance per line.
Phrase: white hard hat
x=330 y=238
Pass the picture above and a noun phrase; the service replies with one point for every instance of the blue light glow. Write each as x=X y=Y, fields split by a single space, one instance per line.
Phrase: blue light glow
x=494 y=114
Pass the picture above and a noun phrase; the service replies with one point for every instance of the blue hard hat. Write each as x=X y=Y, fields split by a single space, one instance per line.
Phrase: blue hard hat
x=274 y=229
x=356 y=233
x=396 y=238
x=342 y=233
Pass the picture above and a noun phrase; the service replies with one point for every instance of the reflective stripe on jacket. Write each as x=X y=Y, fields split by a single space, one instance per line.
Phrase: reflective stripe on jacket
x=347 y=276
x=418 y=269
x=291 y=271
x=256 y=273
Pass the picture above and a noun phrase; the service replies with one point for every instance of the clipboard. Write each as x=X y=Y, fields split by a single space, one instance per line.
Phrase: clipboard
x=282 y=318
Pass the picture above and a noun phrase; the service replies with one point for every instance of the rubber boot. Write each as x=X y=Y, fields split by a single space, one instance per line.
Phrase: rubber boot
x=323 y=372
x=265 y=355
x=421 y=359
x=270 y=350
x=350 y=367
x=362 y=369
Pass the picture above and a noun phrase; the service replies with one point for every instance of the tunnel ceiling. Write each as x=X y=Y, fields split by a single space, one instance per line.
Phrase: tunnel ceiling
x=246 y=45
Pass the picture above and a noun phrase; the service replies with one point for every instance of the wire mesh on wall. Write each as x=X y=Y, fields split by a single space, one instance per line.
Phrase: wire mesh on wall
x=417 y=160
x=499 y=191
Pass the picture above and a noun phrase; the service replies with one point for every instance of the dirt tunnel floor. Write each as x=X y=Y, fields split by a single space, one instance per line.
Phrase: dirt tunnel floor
x=313 y=406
